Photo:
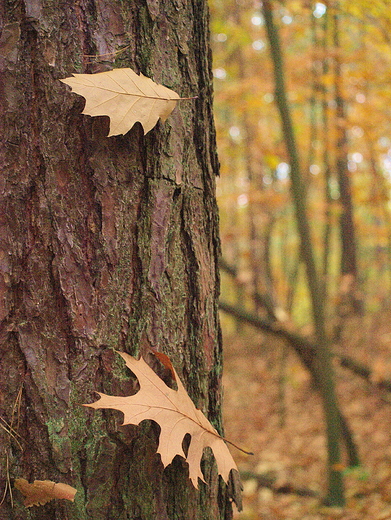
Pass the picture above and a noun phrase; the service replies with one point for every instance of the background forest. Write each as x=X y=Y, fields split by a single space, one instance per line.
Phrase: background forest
x=302 y=97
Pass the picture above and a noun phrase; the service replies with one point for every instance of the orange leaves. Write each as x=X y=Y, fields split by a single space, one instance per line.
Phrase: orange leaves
x=176 y=415
x=42 y=491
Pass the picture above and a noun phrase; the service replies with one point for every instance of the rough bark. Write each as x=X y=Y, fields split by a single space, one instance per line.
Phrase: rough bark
x=104 y=243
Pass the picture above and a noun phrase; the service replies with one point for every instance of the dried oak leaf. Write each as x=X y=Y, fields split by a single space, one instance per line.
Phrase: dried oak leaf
x=125 y=97
x=42 y=491
x=176 y=415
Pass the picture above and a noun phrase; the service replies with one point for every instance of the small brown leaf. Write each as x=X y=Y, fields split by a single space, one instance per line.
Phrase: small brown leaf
x=42 y=491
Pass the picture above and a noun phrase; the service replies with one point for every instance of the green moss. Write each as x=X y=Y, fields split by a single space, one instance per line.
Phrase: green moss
x=81 y=426
x=146 y=27
x=86 y=432
x=77 y=509
x=55 y=426
x=59 y=441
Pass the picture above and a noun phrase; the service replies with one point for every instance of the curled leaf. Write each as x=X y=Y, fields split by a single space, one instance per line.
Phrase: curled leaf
x=42 y=491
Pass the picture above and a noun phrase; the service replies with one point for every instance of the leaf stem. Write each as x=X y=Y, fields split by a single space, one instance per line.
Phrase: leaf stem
x=237 y=447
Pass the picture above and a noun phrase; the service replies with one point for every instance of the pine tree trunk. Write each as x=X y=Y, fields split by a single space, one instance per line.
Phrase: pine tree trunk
x=105 y=243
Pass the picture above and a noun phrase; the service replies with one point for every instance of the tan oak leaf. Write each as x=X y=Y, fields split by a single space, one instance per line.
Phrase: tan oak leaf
x=42 y=491
x=176 y=415
x=125 y=97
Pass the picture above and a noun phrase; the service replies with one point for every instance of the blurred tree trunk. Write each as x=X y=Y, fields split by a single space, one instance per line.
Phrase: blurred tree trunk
x=379 y=194
x=104 y=243
x=323 y=364
x=258 y=219
x=313 y=103
x=328 y=227
x=350 y=301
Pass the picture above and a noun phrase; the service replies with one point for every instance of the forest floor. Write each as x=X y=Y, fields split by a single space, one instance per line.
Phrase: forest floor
x=271 y=408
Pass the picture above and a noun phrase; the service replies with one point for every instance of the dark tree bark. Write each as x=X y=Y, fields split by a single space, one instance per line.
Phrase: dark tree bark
x=105 y=243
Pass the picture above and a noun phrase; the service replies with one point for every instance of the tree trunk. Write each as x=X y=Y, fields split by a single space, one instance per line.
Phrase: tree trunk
x=105 y=243
x=328 y=200
x=350 y=300
x=322 y=363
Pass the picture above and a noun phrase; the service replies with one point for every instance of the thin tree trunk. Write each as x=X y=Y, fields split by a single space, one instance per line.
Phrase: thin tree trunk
x=327 y=234
x=261 y=282
x=350 y=301
x=105 y=243
x=313 y=122
x=380 y=193
x=347 y=231
x=323 y=361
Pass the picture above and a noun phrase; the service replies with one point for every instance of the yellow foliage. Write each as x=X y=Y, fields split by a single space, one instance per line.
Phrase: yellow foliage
x=244 y=102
